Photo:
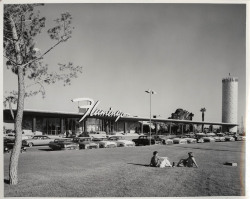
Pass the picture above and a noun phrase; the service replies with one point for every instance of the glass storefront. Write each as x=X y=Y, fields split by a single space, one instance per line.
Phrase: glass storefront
x=57 y=125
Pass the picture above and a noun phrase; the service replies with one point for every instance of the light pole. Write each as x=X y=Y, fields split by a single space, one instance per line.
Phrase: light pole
x=150 y=93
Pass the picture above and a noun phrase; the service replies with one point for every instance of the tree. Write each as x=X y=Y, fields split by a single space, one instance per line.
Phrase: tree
x=22 y=23
x=181 y=114
x=203 y=110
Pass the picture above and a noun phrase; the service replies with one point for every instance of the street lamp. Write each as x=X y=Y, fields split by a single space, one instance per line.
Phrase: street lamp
x=151 y=92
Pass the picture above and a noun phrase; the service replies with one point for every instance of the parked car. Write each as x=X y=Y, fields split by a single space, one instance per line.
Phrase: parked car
x=169 y=141
x=199 y=137
x=121 y=142
x=190 y=135
x=9 y=144
x=12 y=135
x=143 y=140
x=63 y=144
x=86 y=143
x=240 y=138
x=98 y=134
x=107 y=144
x=37 y=140
x=208 y=139
x=229 y=139
x=97 y=140
x=84 y=134
x=179 y=141
x=219 y=137
x=190 y=140
x=160 y=139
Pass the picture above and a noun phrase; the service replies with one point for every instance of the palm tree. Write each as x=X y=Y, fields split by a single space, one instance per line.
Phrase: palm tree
x=203 y=110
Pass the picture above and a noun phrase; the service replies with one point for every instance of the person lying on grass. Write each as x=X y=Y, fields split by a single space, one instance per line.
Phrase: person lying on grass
x=157 y=161
x=189 y=162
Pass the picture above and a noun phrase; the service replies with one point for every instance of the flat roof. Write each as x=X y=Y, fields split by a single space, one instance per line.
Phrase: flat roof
x=175 y=121
x=127 y=118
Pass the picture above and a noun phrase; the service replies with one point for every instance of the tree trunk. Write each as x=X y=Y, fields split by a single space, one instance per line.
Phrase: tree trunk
x=13 y=167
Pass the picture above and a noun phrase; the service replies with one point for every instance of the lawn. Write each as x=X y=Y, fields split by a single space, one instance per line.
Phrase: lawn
x=123 y=172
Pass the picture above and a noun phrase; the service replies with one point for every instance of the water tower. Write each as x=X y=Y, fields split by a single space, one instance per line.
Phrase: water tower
x=229 y=102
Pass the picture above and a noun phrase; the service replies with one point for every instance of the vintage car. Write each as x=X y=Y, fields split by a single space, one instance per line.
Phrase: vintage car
x=179 y=141
x=37 y=140
x=121 y=142
x=84 y=134
x=199 y=137
x=85 y=143
x=240 y=138
x=97 y=140
x=208 y=139
x=98 y=134
x=219 y=137
x=105 y=143
x=63 y=144
x=144 y=140
x=9 y=144
x=229 y=138
x=12 y=135
x=160 y=139
x=190 y=140
x=169 y=141
x=190 y=135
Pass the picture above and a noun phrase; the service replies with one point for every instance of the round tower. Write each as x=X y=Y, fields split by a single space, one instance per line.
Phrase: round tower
x=229 y=102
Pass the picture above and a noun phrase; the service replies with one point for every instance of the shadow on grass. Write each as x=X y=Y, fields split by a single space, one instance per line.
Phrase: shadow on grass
x=6 y=181
x=45 y=149
x=145 y=165
x=208 y=149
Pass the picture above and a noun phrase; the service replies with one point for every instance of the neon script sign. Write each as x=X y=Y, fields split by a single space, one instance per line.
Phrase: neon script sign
x=93 y=111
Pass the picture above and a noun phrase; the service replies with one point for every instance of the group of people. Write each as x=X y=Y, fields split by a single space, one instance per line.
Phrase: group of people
x=157 y=161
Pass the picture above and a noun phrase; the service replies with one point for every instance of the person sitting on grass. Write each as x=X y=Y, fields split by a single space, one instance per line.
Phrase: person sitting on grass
x=157 y=161
x=189 y=162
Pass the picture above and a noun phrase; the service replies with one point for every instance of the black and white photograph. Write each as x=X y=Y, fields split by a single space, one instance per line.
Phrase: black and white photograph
x=124 y=99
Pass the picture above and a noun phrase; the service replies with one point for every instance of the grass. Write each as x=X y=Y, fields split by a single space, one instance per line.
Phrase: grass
x=122 y=172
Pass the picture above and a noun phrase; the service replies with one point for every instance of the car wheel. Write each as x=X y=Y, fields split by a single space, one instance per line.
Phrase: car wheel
x=30 y=144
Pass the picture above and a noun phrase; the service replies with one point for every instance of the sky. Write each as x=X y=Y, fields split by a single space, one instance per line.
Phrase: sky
x=181 y=51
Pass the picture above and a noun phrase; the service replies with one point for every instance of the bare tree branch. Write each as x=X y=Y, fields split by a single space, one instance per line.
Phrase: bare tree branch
x=31 y=61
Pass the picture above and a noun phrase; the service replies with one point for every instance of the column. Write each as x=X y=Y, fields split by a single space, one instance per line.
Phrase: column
x=85 y=125
x=142 y=127
x=211 y=128
x=125 y=127
x=34 y=124
x=182 y=129
x=62 y=126
x=156 y=128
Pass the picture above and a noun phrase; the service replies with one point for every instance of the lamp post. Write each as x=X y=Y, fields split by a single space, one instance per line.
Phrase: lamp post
x=150 y=93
